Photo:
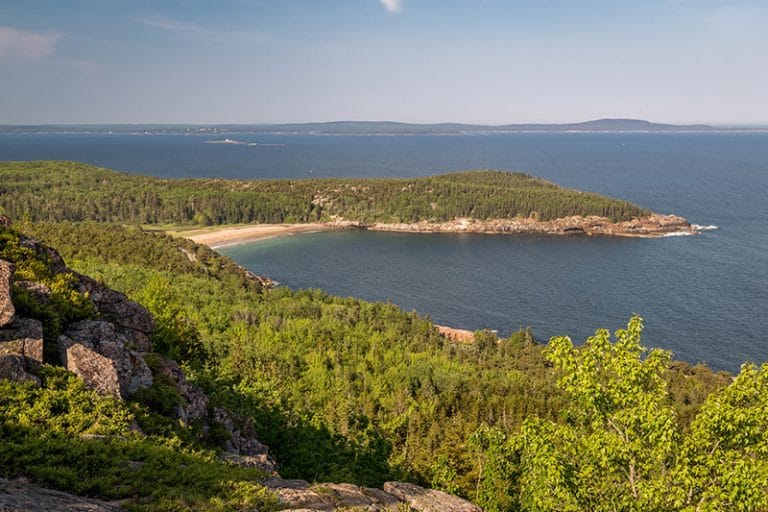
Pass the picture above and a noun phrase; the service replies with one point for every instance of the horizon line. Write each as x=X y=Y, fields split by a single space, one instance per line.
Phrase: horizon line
x=728 y=124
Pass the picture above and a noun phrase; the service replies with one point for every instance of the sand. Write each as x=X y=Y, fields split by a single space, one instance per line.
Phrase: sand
x=225 y=236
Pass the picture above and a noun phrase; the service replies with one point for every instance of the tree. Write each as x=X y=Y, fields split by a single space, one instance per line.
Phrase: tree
x=726 y=453
x=616 y=443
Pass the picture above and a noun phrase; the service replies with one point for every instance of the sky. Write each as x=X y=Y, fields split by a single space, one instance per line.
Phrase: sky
x=425 y=61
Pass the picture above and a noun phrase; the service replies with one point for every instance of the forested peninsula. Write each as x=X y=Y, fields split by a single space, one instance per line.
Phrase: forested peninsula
x=482 y=201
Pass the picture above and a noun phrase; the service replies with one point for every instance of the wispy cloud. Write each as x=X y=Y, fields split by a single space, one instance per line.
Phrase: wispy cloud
x=25 y=44
x=189 y=30
x=169 y=25
x=393 y=6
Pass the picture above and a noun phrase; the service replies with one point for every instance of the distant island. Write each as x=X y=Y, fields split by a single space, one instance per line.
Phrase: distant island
x=233 y=142
x=377 y=128
x=481 y=201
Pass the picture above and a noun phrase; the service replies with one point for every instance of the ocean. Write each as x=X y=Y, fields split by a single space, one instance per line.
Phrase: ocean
x=704 y=297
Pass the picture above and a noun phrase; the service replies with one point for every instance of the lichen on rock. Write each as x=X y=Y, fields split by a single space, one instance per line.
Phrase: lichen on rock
x=7 y=309
x=97 y=353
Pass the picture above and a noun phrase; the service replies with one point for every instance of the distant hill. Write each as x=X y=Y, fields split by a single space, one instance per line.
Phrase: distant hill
x=387 y=127
x=377 y=128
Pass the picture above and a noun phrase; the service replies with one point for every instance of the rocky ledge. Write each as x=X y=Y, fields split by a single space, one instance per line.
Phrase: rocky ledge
x=299 y=495
x=21 y=496
x=651 y=226
x=110 y=352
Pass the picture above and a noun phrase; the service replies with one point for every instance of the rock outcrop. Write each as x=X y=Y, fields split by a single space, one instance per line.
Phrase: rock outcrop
x=131 y=319
x=651 y=226
x=244 y=448
x=196 y=402
x=299 y=495
x=21 y=350
x=6 y=305
x=54 y=260
x=429 y=500
x=13 y=367
x=20 y=496
x=40 y=292
x=24 y=337
x=97 y=353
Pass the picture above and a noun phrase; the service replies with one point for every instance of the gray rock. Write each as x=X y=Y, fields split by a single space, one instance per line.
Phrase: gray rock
x=195 y=400
x=262 y=462
x=40 y=292
x=244 y=448
x=429 y=500
x=360 y=498
x=99 y=354
x=23 y=337
x=55 y=262
x=13 y=368
x=19 y=496
x=6 y=282
x=244 y=440
x=298 y=495
x=132 y=319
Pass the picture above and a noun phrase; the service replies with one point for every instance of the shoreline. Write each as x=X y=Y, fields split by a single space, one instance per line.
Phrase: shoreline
x=227 y=236
x=652 y=226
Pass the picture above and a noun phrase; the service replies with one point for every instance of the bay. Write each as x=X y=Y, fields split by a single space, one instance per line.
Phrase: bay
x=704 y=297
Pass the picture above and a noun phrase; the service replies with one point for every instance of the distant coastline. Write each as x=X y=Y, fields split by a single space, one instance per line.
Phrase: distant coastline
x=376 y=128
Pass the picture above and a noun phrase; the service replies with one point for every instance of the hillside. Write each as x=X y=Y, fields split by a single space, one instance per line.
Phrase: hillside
x=61 y=191
x=91 y=402
x=342 y=390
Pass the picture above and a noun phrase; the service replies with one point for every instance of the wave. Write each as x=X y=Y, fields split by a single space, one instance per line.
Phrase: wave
x=678 y=233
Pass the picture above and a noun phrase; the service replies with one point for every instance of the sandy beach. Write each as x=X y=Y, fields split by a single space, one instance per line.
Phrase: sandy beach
x=223 y=237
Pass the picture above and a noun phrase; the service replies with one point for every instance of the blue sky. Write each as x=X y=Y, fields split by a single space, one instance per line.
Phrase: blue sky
x=478 y=61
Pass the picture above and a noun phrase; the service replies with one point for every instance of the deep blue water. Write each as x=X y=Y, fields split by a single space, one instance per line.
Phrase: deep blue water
x=703 y=297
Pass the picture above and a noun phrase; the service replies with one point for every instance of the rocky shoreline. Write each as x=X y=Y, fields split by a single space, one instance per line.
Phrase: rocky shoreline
x=651 y=226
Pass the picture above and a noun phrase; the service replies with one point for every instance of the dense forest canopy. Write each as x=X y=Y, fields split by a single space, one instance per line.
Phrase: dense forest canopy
x=61 y=191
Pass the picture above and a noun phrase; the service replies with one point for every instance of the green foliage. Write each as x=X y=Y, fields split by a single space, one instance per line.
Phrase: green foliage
x=341 y=389
x=497 y=469
x=130 y=245
x=163 y=396
x=726 y=453
x=174 y=335
x=64 y=303
x=618 y=444
x=617 y=441
x=70 y=438
x=29 y=265
x=58 y=191
x=346 y=390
